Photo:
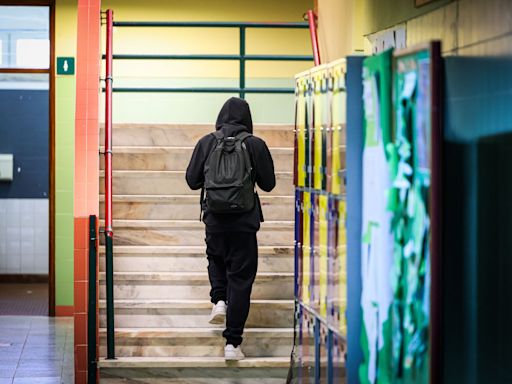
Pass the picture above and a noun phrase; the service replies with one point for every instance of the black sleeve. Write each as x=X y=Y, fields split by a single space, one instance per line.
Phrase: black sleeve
x=263 y=165
x=195 y=175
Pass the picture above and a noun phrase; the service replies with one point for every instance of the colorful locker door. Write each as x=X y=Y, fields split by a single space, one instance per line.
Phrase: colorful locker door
x=318 y=131
x=323 y=346
x=300 y=170
x=327 y=122
x=341 y=261
x=307 y=352
x=332 y=266
x=308 y=134
x=337 y=362
x=298 y=242
x=323 y=211
x=306 y=248
x=338 y=109
x=315 y=252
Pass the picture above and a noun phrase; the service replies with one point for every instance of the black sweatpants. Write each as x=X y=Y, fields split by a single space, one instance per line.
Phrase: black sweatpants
x=232 y=266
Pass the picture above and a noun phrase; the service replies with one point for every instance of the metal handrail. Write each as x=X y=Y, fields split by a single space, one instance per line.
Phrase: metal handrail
x=213 y=57
x=109 y=233
x=242 y=57
x=211 y=24
x=92 y=364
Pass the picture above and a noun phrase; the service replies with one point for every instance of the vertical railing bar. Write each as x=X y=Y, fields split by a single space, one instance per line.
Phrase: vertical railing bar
x=314 y=36
x=91 y=307
x=242 y=63
x=108 y=189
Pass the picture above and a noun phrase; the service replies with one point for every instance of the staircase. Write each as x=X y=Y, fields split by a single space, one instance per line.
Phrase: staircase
x=161 y=285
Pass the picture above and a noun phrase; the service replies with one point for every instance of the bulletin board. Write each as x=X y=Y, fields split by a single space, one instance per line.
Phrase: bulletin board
x=415 y=202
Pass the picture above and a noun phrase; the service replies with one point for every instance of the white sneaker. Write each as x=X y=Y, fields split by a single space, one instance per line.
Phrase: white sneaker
x=233 y=354
x=218 y=315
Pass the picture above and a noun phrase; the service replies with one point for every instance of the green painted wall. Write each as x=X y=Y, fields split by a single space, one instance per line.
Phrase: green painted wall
x=65 y=90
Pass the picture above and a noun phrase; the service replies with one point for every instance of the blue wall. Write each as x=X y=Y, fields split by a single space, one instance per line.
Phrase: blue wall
x=477 y=220
x=354 y=212
x=24 y=132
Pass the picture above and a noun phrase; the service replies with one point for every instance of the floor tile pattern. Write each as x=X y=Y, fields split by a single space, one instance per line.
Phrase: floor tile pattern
x=36 y=350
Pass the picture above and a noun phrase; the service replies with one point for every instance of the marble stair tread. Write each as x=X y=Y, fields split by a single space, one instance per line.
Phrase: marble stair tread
x=188 y=224
x=193 y=312
x=186 y=207
x=194 y=362
x=188 y=232
x=180 y=199
x=159 y=182
x=176 y=158
x=181 y=134
x=150 y=250
x=193 y=332
x=187 y=304
x=167 y=149
x=184 y=276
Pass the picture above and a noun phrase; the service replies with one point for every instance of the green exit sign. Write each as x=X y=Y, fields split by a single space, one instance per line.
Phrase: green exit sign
x=65 y=65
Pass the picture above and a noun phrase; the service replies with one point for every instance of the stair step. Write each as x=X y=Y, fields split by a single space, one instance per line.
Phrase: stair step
x=188 y=259
x=176 y=158
x=190 y=285
x=188 y=232
x=173 y=182
x=194 y=342
x=180 y=313
x=186 y=207
x=275 y=135
x=195 y=370
x=194 y=362
x=190 y=250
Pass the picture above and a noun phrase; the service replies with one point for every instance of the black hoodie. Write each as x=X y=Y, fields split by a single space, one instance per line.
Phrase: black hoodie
x=234 y=117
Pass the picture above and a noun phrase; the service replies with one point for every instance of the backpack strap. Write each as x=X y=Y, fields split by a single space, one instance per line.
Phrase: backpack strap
x=242 y=136
x=201 y=204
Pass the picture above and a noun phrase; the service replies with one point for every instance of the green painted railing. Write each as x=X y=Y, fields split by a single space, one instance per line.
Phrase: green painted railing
x=242 y=57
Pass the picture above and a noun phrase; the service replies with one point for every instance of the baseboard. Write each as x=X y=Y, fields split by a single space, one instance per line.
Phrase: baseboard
x=23 y=279
x=64 y=310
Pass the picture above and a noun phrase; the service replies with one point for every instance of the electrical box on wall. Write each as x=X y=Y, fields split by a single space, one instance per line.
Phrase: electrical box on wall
x=6 y=167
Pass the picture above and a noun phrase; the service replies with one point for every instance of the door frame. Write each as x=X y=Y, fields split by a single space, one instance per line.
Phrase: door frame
x=51 y=128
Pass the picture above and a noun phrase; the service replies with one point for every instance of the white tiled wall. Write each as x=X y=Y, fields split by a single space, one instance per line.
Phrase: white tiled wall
x=24 y=236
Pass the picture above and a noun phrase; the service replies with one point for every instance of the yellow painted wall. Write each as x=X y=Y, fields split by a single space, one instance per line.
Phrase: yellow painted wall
x=203 y=108
x=65 y=89
x=208 y=41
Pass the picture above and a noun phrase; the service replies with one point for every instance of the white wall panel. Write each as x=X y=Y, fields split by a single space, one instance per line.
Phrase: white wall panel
x=24 y=236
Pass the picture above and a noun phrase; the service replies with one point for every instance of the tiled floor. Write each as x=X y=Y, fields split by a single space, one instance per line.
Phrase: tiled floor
x=24 y=299
x=36 y=350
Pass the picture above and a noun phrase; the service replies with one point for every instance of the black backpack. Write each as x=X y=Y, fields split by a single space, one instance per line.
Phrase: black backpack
x=228 y=181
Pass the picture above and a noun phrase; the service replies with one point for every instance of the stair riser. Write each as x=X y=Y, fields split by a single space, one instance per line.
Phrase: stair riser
x=279 y=290
x=178 y=136
x=259 y=316
x=177 y=160
x=188 y=210
x=229 y=375
x=175 y=236
x=194 y=347
x=162 y=263
x=154 y=183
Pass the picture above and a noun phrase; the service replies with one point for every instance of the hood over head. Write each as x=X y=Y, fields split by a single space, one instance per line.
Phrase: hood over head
x=234 y=116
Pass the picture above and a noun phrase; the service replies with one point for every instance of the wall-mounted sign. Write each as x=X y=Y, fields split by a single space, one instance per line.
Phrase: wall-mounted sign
x=65 y=65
